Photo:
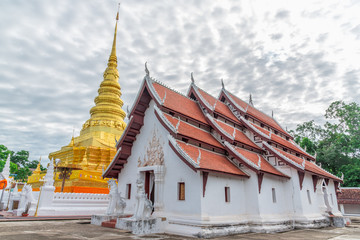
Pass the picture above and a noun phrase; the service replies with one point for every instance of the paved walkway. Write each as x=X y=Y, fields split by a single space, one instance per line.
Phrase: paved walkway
x=81 y=229
x=9 y=217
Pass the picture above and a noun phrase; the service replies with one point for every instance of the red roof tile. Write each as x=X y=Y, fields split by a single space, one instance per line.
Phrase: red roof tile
x=263 y=130
x=220 y=107
x=193 y=132
x=239 y=136
x=179 y=103
x=349 y=196
x=264 y=166
x=258 y=114
x=210 y=160
x=281 y=141
x=309 y=166
x=289 y=144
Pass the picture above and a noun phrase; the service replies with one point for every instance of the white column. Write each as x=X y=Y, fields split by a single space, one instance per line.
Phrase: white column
x=47 y=192
x=159 y=172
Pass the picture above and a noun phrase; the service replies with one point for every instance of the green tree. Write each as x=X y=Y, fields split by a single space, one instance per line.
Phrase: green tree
x=4 y=152
x=337 y=143
x=19 y=162
x=309 y=145
x=21 y=158
x=13 y=166
x=34 y=163
x=22 y=174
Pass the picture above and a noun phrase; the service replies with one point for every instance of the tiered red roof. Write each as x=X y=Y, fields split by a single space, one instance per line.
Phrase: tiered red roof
x=262 y=117
x=220 y=107
x=289 y=144
x=190 y=131
x=239 y=136
x=264 y=165
x=179 y=103
x=281 y=141
x=210 y=160
x=309 y=166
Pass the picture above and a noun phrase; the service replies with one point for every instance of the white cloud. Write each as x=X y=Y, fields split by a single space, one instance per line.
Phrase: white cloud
x=295 y=58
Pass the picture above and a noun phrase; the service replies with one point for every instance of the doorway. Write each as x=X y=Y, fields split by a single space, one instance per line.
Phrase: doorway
x=150 y=186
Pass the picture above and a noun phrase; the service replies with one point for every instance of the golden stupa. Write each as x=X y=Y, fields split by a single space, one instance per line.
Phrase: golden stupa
x=88 y=155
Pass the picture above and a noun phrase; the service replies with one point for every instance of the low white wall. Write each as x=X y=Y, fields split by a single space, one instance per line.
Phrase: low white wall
x=71 y=204
x=62 y=204
x=352 y=209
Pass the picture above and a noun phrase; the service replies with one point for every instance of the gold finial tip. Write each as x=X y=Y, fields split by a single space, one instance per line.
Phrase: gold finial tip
x=117 y=15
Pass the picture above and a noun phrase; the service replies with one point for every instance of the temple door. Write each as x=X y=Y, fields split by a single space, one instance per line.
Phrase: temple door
x=147 y=184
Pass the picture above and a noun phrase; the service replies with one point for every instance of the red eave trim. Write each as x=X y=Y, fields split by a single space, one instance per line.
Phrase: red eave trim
x=226 y=173
x=245 y=113
x=211 y=110
x=182 y=158
x=280 y=157
x=176 y=134
x=240 y=160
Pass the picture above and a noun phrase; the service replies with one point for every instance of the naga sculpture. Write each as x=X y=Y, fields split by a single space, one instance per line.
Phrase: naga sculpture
x=117 y=203
x=26 y=197
x=144 y=206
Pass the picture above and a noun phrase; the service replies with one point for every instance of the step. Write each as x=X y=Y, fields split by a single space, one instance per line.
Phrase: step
x=109 y=224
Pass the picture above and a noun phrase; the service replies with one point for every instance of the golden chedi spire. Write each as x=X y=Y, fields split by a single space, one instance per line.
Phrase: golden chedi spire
x=38 y=170
x=93 y=150
x=107 y=110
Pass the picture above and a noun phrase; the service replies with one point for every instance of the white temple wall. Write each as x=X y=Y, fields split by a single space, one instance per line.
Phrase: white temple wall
x=296 y=198
x=129 y=173
x=177 y=172
x=302 y=208
x=333 y=197
x=275 y=198
x=235 y=209
x=251 y=195
x=310 y=207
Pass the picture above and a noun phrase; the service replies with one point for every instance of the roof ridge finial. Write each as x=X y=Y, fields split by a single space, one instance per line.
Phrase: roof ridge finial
x=192 y=78
x=147 y=70
x=250 y=100
x=272 y=113
x=222 y=84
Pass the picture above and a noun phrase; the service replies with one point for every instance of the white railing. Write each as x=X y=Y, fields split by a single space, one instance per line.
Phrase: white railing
x=81 y=196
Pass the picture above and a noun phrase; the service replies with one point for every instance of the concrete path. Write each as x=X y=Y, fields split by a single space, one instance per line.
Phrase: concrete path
x=81 y=229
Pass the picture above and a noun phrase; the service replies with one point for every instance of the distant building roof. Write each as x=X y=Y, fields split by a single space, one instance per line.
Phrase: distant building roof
x=349 y=196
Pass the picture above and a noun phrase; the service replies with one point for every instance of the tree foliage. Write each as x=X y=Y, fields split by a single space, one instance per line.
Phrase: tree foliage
x=337 y=143
x=33 y=164
x=22 y=174
x=19 y=163
x=13 y=166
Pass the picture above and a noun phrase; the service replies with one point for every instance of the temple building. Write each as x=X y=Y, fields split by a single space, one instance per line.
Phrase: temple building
x=81 y=163
x=218 y=166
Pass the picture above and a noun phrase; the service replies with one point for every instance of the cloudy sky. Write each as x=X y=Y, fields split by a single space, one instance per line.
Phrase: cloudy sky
x=294 y=57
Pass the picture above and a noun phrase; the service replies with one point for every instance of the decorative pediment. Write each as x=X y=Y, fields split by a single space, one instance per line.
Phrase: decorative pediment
x=154 y=153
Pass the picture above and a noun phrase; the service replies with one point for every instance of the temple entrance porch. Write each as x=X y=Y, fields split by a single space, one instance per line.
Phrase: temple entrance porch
x=153 y=178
